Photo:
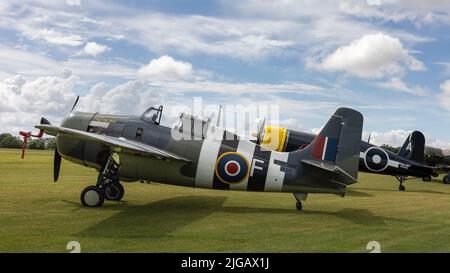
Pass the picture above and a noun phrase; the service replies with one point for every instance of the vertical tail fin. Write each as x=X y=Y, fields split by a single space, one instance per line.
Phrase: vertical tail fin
x=339 y=142
x=414 y=147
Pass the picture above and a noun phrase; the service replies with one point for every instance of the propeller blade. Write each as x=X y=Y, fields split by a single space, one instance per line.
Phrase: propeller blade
x=218 y=117
x=45 y=121
x=260 y=131
x=56 y=165
x=75 y=103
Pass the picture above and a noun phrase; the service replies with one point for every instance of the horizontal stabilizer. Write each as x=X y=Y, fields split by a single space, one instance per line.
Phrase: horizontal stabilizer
x=329 y=167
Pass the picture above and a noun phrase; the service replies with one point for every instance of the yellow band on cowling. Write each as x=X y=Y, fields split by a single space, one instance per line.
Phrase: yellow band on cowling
x=274 y=138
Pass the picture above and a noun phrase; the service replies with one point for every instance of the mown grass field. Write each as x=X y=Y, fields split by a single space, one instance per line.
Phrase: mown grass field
x=38 y=215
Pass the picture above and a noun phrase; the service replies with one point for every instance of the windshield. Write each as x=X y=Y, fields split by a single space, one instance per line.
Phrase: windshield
x=153 y=114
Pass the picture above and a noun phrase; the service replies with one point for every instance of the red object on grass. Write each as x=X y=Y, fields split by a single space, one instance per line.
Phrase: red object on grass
x=26 y=136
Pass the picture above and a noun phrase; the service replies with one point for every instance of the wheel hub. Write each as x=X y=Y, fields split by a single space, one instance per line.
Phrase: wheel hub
x=91 y=198
x=112 y=191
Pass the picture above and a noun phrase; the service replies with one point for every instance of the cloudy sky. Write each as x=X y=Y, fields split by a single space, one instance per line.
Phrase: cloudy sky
x=389 y=59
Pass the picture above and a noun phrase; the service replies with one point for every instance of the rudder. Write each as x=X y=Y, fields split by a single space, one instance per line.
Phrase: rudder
x=414 y=147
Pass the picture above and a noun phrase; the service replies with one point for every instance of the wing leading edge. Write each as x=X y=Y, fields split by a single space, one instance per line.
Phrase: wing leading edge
x=117 y=144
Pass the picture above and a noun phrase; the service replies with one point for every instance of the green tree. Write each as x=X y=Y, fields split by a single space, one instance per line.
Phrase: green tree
x=36 y=144
x=50 y=143
x=388 y=147
x=9 y=141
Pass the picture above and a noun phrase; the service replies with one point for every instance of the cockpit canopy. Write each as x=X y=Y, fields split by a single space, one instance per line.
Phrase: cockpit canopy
x=153 y=114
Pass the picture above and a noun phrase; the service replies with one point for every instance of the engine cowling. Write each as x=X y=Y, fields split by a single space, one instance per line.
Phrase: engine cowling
x=284 y=140
x=78 y=151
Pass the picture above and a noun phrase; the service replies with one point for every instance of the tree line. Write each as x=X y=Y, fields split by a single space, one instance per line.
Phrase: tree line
x=9 y=141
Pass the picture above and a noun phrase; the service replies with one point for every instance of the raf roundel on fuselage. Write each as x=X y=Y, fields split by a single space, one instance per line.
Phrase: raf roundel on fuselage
x=232 y=168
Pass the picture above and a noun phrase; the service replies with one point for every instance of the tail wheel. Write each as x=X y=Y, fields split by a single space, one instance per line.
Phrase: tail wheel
x=92 y=197
x=426 y=178
x=114 y=191
x=446 y=179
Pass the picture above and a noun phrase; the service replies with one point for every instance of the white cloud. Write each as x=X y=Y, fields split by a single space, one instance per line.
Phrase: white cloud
x=54 y=37
x=24 y=62
x=131 y=97
x=251 y=90
x=394 y=138
x=94 y=49
x=416 y=11
x=166 y=68
x=396 y=83
x=263 y=29
x=387 y=11
x=444 y=97
x=23 y=102
x=65 y=73
x=371 y=56
x=90 y=69
x=73 y=2
x=44 y=94
x=31 y=64
x=293 y=124
x=438 y=144
x=242 y=39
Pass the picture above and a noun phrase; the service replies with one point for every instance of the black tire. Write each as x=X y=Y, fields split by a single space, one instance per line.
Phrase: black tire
x=446 y=179
x=114 y=192
x=401 y=188
x=298 y=206
x=92 y=197
x=426 y=179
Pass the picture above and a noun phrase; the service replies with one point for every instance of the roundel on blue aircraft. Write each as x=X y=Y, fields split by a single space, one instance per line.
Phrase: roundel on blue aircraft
x=376 y=159
x=232 y=168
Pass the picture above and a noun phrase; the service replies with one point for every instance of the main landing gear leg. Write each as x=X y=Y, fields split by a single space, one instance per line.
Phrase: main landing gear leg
x=401 y=180
x=300 y=197
x=108 y=186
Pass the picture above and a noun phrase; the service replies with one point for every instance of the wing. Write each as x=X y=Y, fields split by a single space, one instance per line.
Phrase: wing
x=117 y=144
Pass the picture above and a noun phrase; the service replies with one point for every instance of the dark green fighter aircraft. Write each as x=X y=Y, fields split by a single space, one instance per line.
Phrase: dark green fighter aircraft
x=196 y=153
x=440 y=160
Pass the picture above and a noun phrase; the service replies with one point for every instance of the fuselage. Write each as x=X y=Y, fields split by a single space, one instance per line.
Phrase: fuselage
x=224 y=161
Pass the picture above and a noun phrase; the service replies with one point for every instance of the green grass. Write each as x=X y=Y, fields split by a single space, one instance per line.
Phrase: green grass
x=38 y=215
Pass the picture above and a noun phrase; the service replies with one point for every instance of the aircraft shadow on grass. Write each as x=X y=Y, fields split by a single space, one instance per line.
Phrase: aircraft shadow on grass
x=157 y=219
x=414 y=191
x=154 y=220
x=355 y=193
x=363 y=217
